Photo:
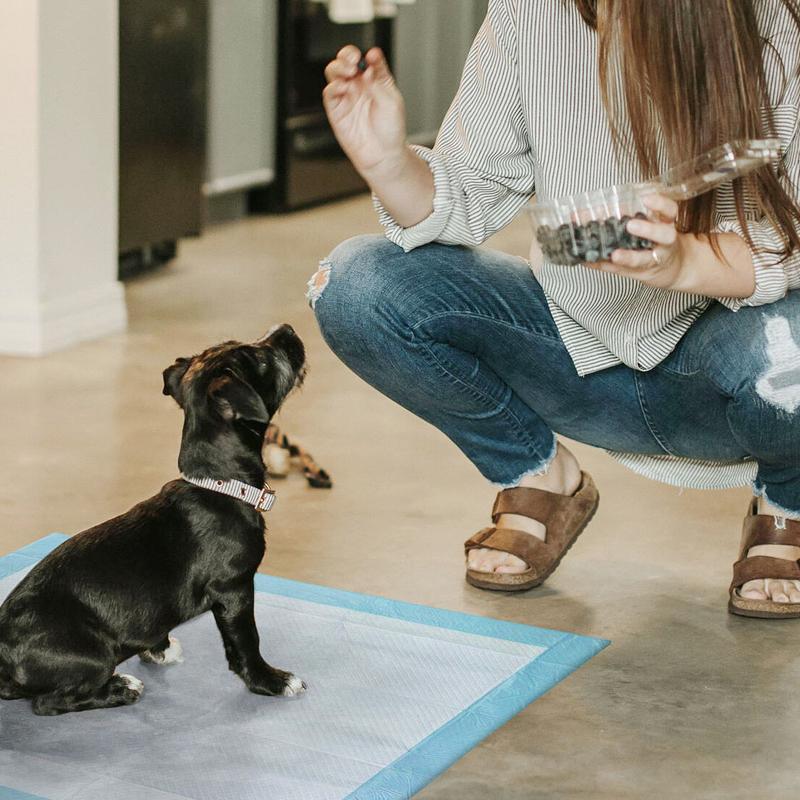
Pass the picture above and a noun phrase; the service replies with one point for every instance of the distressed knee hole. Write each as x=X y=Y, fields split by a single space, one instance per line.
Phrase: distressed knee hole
x=317 y=283
x=779 y=385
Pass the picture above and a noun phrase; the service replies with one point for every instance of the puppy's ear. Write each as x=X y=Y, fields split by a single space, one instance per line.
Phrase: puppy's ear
x=236 y=399
x=172 y=379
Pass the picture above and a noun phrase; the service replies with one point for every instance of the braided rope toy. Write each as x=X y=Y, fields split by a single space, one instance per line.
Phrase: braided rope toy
x=280 y=455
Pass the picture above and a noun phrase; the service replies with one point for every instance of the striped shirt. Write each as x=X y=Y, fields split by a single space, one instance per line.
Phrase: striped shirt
x=528 y=119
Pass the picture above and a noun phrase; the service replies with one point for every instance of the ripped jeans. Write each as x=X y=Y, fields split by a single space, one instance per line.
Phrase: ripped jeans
x=464 y=339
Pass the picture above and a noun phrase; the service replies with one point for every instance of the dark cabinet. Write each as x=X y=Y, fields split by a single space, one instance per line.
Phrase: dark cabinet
x=162 y=124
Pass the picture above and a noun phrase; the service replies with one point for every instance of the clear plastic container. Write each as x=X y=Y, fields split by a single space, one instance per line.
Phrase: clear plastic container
x=589 y=226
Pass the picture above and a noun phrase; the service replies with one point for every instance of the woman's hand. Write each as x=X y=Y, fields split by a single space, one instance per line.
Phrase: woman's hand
x=663 y=266
x=367 y=112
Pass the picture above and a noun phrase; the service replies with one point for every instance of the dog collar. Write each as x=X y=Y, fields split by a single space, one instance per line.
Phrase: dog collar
x=261 y=499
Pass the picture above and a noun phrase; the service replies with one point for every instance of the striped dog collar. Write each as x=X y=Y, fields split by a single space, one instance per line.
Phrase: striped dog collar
x=261 y=499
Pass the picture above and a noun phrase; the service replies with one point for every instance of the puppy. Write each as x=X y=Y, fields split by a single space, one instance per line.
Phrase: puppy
x=119 y=588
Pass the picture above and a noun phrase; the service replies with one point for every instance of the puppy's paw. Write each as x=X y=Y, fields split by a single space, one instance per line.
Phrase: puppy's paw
x=276 y=682
x=172 y=655
x=294 y=686
x=131 y=688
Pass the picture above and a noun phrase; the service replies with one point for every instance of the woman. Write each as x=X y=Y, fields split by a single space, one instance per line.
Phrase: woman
x=642 y=355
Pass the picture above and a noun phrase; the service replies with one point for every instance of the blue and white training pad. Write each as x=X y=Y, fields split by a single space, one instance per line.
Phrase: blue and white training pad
x=397 y=693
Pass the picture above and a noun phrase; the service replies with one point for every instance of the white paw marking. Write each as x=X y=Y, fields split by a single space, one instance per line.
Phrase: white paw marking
x=294 y=686
x=134 y=684
x=174 y=653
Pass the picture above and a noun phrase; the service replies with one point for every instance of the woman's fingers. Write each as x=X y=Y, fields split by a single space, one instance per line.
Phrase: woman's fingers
x=350 y=54
x=664 y=207
x=348 y=65
x=333 y=93
x=339 y=70
x=345 y=65
x=343 y=72
x=376 y=61
x=660 y=228
x=658 y=232
x=632 y=259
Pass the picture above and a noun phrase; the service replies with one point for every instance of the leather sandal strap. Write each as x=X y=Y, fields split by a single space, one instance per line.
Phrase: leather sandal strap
x=761 y=529
x=537 y=504
x=477 y=540
x=532 y=550
x=759 y=567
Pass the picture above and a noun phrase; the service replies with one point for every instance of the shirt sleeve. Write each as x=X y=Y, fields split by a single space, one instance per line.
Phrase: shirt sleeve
x=482 y=164
x=771 y=273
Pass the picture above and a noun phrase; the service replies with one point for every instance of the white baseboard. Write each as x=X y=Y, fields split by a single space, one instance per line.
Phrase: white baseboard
x=35 y=328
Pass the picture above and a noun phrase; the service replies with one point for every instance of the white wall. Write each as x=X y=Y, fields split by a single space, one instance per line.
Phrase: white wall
x=18 y=152
x=58 y=174
x=432 y=38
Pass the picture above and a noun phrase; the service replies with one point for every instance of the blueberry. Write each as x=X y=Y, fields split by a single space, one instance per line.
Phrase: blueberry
x=553 y=253
x=593 y=241
x=608 y=239
x=626 y=239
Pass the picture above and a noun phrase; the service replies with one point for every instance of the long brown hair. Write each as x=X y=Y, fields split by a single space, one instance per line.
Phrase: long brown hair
x=695 y=70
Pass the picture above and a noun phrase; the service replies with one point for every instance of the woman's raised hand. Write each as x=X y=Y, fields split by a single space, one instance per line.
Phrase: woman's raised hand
x=366 y=111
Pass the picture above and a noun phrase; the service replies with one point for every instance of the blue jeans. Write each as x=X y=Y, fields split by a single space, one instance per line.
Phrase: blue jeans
x=464 y=339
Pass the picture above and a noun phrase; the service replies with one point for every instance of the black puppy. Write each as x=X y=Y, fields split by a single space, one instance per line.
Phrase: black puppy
x=119 y=588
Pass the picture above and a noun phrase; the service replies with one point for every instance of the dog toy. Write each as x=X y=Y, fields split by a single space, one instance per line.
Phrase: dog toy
x=279 y=453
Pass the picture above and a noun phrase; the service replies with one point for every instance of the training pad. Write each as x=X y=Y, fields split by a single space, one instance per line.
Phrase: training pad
x=397 y=693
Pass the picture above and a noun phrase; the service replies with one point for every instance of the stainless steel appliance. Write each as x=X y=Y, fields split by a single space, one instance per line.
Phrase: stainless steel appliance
x=310 y=166
x=162 y=126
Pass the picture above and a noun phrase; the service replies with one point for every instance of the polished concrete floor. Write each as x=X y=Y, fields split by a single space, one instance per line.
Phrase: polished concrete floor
x=687 y=702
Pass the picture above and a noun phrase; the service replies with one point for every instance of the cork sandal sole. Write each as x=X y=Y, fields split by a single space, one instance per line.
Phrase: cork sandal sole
x=522 y=581
x=762 y=609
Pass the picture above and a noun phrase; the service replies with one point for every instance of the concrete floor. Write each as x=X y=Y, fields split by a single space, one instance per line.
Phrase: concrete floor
x=687 y=702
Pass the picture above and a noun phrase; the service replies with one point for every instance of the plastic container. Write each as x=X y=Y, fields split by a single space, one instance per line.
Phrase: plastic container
x=589 y=226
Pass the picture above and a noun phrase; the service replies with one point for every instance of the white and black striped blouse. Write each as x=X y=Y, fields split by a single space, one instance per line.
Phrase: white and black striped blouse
x=528 y=118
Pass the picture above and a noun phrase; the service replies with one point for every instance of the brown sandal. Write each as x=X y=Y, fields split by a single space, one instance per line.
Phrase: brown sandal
x=764 y=529
x=564 y=516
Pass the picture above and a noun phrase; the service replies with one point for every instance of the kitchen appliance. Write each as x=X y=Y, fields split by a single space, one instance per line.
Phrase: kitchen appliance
x=162 y=127
x=310 y=167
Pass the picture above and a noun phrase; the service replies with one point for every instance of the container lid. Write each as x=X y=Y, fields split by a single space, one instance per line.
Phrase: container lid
x=712 y=169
